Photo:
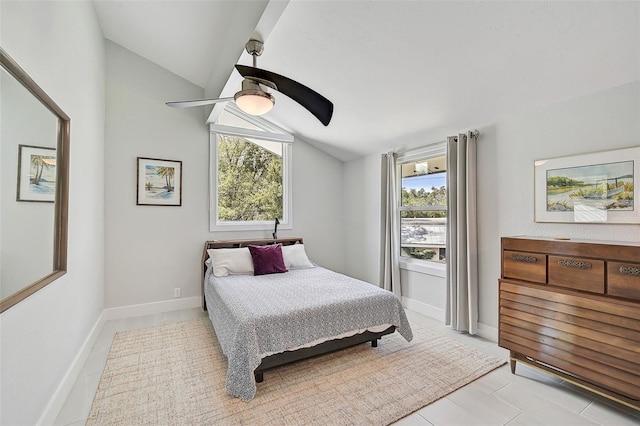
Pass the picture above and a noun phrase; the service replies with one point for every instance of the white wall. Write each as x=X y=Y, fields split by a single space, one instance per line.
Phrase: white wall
x=506 y=152
x=150 y=250
x=362 y=192
x=318 y=208
x=60 y=45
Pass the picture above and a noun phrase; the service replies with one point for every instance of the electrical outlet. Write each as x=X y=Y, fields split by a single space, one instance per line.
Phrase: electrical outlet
x=176 y=292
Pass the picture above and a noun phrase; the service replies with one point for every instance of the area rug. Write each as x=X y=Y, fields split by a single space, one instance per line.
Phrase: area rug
x=175 y=375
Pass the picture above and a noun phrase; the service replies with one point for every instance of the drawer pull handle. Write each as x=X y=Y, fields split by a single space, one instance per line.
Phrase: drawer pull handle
x=629 y=270
x=574 y=264
x=521 y=258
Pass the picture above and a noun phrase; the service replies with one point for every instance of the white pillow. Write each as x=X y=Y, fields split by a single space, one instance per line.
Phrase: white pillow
x=232 y=261
x=295 y=257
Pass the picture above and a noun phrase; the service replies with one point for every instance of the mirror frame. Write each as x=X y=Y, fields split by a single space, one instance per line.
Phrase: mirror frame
x=61 y=205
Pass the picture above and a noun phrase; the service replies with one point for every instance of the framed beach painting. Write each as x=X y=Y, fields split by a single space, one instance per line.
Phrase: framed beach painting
x=36 y=174
x=159 y=182
x=599 y=187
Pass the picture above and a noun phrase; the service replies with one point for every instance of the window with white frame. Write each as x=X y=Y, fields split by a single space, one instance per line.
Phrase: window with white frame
x=249 y=173
x=423 y=204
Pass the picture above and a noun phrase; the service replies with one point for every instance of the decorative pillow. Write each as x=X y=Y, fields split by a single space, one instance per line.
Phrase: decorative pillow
x=233 y=261
x=295 y=257
x=267 y=259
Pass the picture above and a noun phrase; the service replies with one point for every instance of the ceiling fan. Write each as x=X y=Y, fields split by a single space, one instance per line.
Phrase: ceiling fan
x=254 y=98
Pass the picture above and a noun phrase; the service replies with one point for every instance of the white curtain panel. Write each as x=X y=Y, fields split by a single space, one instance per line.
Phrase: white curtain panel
x=461 y=310
x=390 y=229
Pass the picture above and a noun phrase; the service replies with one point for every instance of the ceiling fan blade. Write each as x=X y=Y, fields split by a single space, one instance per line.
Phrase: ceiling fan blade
x=314 y=102
x=201 y=102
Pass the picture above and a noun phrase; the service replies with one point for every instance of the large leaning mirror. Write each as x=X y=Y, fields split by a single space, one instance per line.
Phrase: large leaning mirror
x=34 y=162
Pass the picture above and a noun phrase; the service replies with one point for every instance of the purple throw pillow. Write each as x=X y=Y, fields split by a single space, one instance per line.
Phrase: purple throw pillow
x=267 y=259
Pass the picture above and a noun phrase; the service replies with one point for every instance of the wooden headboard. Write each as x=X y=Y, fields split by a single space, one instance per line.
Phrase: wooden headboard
x=218 y=244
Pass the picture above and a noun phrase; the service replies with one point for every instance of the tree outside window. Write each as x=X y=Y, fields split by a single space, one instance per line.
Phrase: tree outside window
x=250 y=172
x=250 y=180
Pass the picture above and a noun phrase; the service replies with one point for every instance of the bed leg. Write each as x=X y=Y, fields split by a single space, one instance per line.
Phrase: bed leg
x=259 y=376
x=374 y=343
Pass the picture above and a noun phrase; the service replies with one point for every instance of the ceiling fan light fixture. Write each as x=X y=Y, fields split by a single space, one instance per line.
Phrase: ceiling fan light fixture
x=254 y=102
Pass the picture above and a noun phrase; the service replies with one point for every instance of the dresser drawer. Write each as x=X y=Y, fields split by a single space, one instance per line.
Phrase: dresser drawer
x=583 y=323
x=623 y=279
x=577 y=273
x=593 y=336
x=525 y=266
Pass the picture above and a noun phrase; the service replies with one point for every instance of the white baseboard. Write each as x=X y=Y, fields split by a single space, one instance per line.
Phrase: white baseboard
x=485 y=331
x=152 y=308
x=488 y=332
x=61 y=393
x=59 y=397
x=423 y=308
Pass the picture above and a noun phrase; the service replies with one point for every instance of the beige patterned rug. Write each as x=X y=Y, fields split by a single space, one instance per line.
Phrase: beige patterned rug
x=175 y=374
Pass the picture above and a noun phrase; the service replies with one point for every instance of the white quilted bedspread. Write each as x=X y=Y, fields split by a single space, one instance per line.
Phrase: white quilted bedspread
x=254 y=315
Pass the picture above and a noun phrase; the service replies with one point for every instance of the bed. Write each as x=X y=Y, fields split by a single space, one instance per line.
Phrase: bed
x=268 y=320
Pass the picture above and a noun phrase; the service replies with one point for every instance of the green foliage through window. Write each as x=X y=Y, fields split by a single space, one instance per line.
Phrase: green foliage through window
x=420 y=253
x=249 y=181
x=421 y=197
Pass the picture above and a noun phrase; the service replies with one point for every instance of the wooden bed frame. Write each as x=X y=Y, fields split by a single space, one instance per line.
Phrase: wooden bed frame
x=287 y=357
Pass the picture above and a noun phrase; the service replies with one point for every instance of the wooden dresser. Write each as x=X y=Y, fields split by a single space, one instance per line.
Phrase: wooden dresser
x=572 y=308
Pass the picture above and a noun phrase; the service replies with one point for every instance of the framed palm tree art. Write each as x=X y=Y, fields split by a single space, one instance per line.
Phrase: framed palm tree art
x=159 y=182
x=36 y=174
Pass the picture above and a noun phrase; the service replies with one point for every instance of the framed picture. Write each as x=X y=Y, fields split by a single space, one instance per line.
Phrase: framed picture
x=159 y=182
x=600 y=187
x=36 y=174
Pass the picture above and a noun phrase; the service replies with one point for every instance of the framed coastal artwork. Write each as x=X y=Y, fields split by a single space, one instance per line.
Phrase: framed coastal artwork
x=599 y=187
x=36 y=174
x=159 y=182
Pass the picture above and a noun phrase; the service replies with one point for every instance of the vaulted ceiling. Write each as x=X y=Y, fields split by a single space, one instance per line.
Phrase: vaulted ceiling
x=393 y=69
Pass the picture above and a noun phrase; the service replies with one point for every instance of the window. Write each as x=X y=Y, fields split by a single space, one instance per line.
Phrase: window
x=423 y=204
x=250 y=173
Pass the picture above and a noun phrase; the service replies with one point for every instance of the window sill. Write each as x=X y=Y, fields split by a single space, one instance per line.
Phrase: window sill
x=424 y=267
x=240 y=226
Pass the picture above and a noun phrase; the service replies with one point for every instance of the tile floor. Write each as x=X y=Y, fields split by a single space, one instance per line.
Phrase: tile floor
x=528 y=398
